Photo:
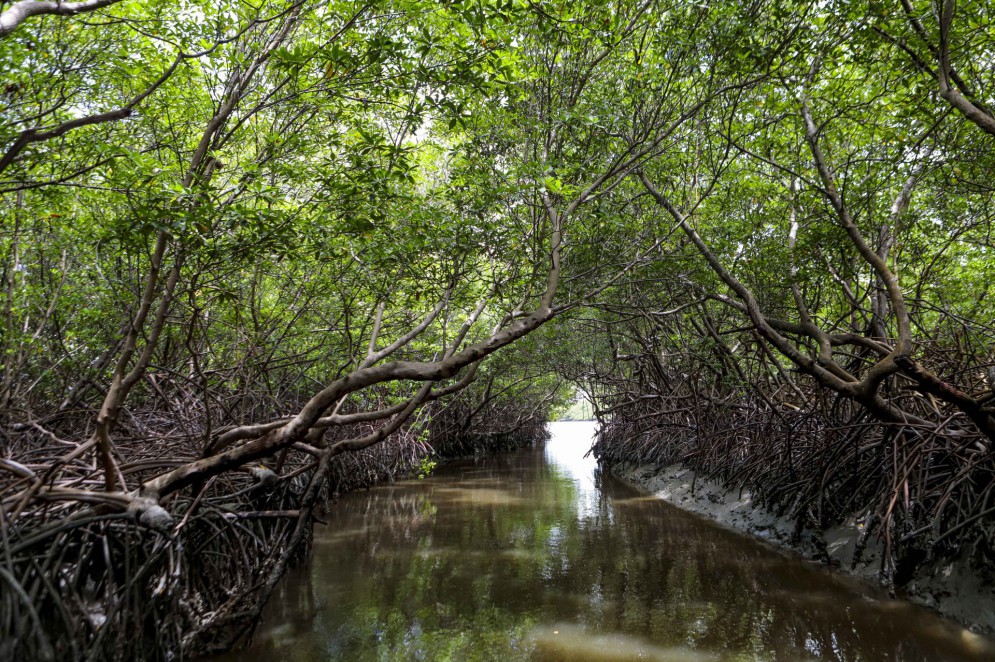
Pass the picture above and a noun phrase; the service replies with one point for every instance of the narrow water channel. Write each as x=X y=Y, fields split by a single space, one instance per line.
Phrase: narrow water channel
x=532 y=556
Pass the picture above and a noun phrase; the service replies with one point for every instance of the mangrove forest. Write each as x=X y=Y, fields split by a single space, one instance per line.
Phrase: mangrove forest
x=292 y=291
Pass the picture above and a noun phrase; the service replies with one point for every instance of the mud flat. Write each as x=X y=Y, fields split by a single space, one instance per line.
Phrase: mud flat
x=952 y=588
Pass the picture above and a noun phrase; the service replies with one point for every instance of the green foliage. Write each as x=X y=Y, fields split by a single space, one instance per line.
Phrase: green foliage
x=306 y=164
x=580 y=409
x=426 y=466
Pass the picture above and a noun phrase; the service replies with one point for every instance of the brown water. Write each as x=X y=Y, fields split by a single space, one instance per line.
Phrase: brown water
x=529 y=556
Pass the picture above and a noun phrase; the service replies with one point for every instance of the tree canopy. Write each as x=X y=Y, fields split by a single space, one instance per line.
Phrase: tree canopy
x=280 y=232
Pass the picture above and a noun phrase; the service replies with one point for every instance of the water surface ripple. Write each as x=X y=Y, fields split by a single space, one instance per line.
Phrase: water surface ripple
x=531 y=556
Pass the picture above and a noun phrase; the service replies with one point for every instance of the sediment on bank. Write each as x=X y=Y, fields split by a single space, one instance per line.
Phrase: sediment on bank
x=794 y=482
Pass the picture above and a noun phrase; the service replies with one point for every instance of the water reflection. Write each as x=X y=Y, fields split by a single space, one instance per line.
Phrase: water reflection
x=528 y=556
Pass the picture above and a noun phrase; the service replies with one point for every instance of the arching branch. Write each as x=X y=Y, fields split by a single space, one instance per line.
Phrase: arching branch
x=25 y=9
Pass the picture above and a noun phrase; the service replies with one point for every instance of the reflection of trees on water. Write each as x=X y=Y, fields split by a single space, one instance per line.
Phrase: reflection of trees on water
x=465 y=564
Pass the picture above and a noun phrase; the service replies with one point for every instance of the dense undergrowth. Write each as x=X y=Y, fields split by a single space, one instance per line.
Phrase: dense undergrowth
x=97 y=584
x=924 y=491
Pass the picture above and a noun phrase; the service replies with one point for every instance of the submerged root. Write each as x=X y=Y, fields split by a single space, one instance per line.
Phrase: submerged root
x=92 y=575
x=826 y=462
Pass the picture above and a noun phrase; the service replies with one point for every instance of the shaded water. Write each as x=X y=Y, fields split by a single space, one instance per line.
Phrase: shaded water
x=528 y=556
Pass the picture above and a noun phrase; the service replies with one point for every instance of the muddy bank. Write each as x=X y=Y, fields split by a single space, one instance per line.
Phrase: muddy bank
x=950 y=587
x=531 y=556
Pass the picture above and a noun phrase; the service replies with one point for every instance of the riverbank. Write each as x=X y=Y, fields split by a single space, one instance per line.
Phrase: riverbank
x=951 y=588
x=531 y=555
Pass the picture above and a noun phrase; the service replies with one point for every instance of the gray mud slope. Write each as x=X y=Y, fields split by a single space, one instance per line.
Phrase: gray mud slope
x=952 y=588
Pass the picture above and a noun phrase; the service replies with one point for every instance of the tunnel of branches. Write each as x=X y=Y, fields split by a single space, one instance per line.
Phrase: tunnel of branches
x=254 y=256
